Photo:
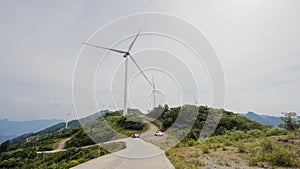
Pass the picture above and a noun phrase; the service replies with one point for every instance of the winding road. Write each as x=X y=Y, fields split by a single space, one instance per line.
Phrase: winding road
x=138 y=154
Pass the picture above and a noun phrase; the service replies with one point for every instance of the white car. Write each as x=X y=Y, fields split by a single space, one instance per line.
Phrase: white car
x=135 y=136
x=159 y=133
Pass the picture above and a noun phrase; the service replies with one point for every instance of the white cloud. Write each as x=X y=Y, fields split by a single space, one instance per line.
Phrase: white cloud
x=258 y=42
x=24 y=100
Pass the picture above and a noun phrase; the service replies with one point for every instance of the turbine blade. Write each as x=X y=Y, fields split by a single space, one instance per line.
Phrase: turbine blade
x=140 y=70
x=131 y=45
x=153 y=83
x=101 y=47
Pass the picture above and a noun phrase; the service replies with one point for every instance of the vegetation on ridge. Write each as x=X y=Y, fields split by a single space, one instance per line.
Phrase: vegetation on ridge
x=236 y=142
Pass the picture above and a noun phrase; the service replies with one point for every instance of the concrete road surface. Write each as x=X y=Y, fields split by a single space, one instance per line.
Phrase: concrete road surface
x=138 y=154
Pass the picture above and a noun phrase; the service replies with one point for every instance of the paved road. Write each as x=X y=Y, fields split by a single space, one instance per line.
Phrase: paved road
x=148 y=136
x=138 y=154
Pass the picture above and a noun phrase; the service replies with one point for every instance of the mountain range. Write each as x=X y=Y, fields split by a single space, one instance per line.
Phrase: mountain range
x=10 y=129
x=49 y=126
x=265 y=119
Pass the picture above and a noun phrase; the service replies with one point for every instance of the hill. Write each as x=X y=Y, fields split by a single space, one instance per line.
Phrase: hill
x=235 y=137
x=23 y=151
x=4 y=138
x=265 y=119
x=10 y=129
x=178 y=118
x=237 y=142
x=56 y=129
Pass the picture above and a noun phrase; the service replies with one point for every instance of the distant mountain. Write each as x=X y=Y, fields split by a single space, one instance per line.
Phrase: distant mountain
x=4 y=138
x=10 y=129
x=57 y=128
x=265 y=119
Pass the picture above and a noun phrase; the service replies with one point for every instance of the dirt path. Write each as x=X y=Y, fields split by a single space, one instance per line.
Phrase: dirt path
x=60 y=147
x=62 y=143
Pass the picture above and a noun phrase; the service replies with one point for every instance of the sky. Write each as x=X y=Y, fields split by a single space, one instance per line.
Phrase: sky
x=257 y=44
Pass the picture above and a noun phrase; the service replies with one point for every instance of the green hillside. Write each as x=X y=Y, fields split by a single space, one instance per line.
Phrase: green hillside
x=237 y=142
x=22 y=152
x=178 y=118
x=235 y=137
x=111 y=126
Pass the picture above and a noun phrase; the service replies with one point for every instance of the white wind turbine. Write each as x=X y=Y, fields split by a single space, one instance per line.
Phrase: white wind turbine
x=153 y=92
x=126 y=54
x=68 y=117
x=196 y=101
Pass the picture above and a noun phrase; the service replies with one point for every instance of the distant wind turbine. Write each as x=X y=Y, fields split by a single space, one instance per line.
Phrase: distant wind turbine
x=153 y=92
x=125 y=55
x=68 y=115
x=196 y=101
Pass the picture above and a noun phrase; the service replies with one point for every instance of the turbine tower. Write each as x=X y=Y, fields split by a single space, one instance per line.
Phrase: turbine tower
x=126 y=55
x=153 y=91
x=68 y=117
x=196 y=100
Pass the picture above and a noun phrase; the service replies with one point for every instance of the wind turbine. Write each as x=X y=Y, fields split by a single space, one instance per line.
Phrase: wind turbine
x=196 y=100
x=68 y=115
x=126 y=55
x=153 y=92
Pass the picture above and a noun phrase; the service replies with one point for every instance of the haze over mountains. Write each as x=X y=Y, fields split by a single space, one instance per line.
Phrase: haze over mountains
x=265 y=119
x=10 y=129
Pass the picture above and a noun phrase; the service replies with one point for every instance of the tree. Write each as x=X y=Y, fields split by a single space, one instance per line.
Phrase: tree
x=4 y=146
x=289 y=119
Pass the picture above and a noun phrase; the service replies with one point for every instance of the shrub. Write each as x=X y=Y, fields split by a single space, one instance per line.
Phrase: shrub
x=228 y=142
x=45 y=148
x=281 y=157
x=237 y=135
x=205 y=148
x=276 y=131
x=256 y=133
x=267 y=145
x=192 y=142
x=4 y=146
x=241 y=146
x=276 y=155
x=224 y=148
x=254 y=160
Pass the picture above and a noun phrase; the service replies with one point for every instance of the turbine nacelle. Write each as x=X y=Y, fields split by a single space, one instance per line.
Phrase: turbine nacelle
x=126 y=54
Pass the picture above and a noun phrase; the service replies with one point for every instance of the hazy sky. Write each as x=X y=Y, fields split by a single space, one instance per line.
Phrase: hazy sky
x=257 y=42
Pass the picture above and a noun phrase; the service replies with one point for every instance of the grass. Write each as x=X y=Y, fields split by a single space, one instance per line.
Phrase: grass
x=179 y=161
x=251 y=148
